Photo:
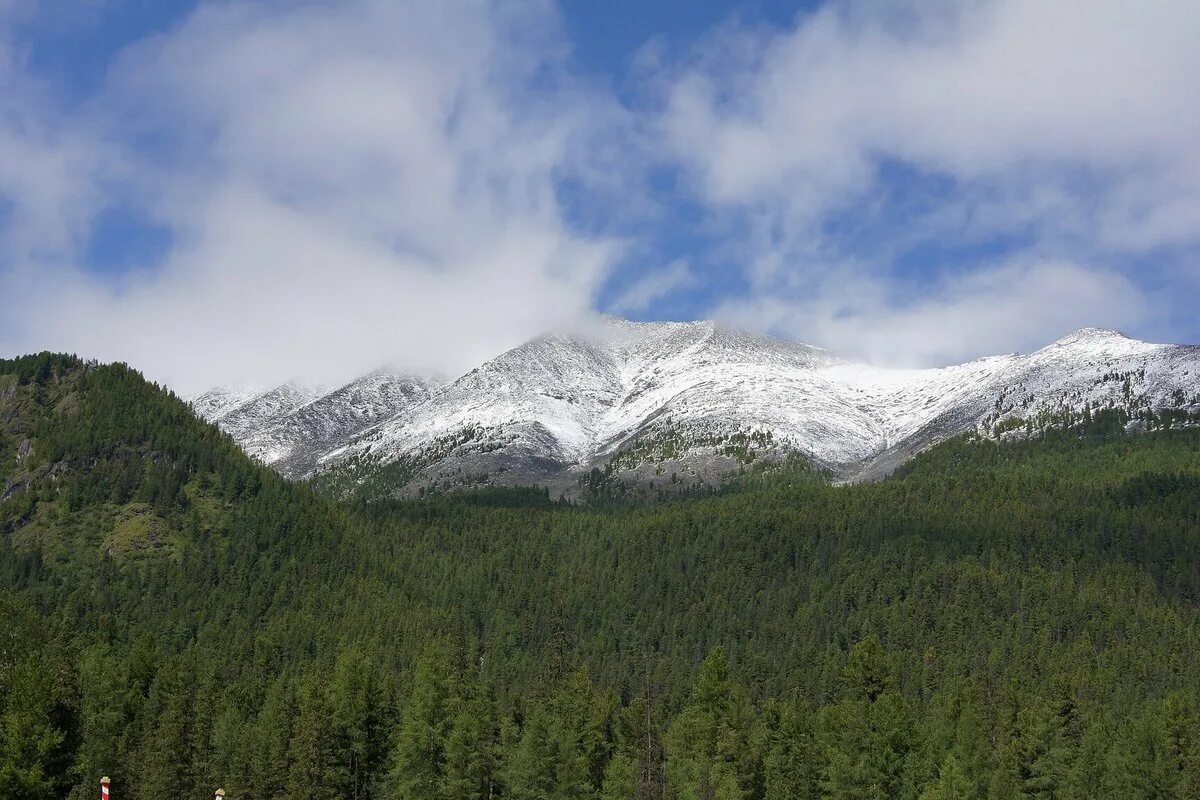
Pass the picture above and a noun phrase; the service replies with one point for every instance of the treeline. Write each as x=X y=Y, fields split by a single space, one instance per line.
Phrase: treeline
x=1002 y=620
x=104 y=434
x=352 y=730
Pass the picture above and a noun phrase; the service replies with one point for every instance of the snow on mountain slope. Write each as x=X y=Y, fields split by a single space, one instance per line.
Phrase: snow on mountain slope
x=295 y=442
x=214 y=404
x=245 y=413
x=292 y=426
x=686 y=397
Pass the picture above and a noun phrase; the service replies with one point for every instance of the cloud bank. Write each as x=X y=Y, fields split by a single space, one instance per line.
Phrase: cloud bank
x=343 y=185
x=320 y=188
x=867 y=129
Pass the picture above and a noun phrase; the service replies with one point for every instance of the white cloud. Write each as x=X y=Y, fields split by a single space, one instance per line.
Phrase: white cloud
x=48 y=172
x=655 y=285
x=1097 y=83
x=1073 y=124
x=1014 y=306
x=347 y=185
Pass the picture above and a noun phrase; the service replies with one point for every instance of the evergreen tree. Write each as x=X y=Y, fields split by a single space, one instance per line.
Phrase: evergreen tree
x=951 y=783
x=530 y=769
x=470 y=748
x=707 y=746
x=791 y=762
x=1043 y=754
x=358 y=720
x=317 y=769
x=634 y=769
x=1091 y=774
x=581 y=736
x=269 y=741
x=37 y=729
x=971 y=749
x=165 y=763
x=418 y=756
x=181 y=618
x=868 y=734
x=1158 y=754
x=104 y=695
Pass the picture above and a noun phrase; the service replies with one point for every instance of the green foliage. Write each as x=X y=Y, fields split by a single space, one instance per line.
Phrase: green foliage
x=421 y=736
x=1001 y=619
x=37 y=727
x=708 y=743
x=869 y=734
x=951 y=783
x=792 y=757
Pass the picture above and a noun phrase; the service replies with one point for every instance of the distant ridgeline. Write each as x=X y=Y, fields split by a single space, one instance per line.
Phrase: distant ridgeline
x=645 y=410
x=1008 y=616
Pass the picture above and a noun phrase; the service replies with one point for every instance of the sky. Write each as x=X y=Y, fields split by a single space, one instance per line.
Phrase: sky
x=231 y=192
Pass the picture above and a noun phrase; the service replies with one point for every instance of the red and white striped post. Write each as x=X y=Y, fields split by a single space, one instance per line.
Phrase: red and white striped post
x=104 y=783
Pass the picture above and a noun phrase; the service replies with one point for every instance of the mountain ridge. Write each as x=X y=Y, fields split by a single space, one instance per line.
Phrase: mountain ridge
x=650 y=402
x=164 y=595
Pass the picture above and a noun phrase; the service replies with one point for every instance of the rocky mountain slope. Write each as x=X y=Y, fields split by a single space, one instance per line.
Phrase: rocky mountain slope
x=678 y=403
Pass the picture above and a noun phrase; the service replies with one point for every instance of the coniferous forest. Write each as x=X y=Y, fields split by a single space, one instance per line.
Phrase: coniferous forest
x=998 y=620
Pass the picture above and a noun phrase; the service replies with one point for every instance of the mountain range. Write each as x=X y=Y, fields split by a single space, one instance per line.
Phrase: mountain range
x=670 y=403
x=179 y=617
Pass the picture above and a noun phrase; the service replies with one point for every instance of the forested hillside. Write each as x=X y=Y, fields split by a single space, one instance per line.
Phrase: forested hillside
x=997 y=621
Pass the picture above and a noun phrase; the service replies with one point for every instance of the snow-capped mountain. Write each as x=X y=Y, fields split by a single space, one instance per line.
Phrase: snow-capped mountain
x=293 y=426
x=671 y=401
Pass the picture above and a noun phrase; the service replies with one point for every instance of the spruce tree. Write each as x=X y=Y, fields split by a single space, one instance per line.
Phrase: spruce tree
x=581 y=734
x=316 y=767
x=951 y=783
x=791 y=762
x=358 y=720
x=470 y=747
x=37 y=721
x=269 y=738
x=707 y=746
x=530 y=769
x=418 y=755
x=868 y=734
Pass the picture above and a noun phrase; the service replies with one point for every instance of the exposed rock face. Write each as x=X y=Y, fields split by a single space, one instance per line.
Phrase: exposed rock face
x=670 y=402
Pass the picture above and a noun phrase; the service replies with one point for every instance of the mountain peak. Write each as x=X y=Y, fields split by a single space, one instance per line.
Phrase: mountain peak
x=1103 y=343
x=1093 y=334
x=687 y=399
x=1100 y=341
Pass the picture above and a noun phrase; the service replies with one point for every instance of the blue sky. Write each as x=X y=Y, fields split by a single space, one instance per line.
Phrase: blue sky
x=230 y=191
x=606 y=37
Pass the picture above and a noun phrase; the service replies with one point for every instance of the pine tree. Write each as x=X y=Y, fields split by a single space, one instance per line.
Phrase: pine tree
x=230 y=762
x=358 y=721
x=418 y=755
x=581 y=717
x=868 y=734
x=38 y=716
x=633 y=770
x=268 y=741
x=104 y=683
x=316 y=769
x=951 y=783
x=791 y=763
x=954 y=725
x=1041 y=755
x=165 y=763
x=470 y=748
x=1091 y=775
x=1158 y=753
x=707 y=745
x=530 y=768
x=971 y=748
